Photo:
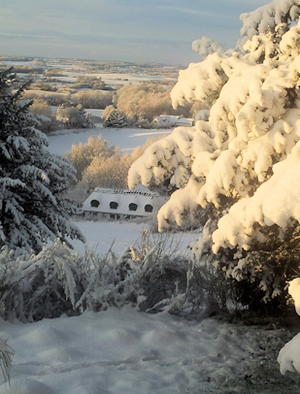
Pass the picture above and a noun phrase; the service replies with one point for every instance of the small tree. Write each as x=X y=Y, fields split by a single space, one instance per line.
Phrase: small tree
x=44 y=115
x=94 y=98
x=74 y=116
x=31 y=178
x=115 y=118
x=82 y=155
x=110 y=172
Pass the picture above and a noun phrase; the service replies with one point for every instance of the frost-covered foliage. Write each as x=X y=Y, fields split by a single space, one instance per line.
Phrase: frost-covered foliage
x=110 y=172
x=241 y=161
x=151 y=275
x=207 y=46
x=82 y=155
x=47 y=284
x=71 y=116
x=98 y=165
x=144 y=101
x=31 y=178
x=94 y=98
x=114 y=118
x=6 y=357
x=44 y=115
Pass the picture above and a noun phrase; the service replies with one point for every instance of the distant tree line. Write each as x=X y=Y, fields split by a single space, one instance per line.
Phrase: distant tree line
x=137 y=104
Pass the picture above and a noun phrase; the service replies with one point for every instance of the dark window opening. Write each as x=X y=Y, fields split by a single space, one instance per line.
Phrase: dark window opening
x=113 y=205
x=132 y=207
x=95 y=203
x=148 y=208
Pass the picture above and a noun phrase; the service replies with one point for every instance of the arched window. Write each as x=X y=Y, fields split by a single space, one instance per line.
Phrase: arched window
x=148 y=208
x=113 y=205
x=133 y=207
x=95 y=203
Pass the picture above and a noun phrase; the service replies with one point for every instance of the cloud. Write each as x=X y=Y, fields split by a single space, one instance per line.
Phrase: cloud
x=143 y=28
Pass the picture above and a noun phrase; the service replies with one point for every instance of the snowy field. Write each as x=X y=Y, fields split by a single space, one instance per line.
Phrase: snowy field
x=60 y=142
x=113 y=79
x=122 y=234
x=126 y=351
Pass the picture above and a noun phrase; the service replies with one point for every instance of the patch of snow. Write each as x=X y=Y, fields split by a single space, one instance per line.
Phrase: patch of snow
x=101 y=234
x=61 y=141
x=129 y=352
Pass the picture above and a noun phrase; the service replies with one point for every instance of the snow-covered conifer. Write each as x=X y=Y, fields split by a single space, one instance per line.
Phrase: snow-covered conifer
x=244 y=160
x=31 y=178
x=116 y=119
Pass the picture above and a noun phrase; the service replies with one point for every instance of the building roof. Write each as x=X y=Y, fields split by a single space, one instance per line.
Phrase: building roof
x=138 y=202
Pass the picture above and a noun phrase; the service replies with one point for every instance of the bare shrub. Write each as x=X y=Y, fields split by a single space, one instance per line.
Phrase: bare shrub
x=94 y=98
x=71 y=116
x=82 y=155
x=108 y=172
x=149 y=99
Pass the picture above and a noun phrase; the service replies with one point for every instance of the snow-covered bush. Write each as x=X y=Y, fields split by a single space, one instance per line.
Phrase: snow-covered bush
x=110 y=172
x=94 y=98
x=242 y=161
x=47 y=284
x=82 y=155
x=151 y=275
x=31 y=179
x=71 y=116
x=146 y=100
x=46 y=120
x=114 y=118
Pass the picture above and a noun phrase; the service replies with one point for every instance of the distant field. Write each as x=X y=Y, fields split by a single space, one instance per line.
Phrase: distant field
x=112 y=73
x=61 y=141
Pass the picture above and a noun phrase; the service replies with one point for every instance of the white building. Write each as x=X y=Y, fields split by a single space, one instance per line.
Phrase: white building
x=117 y=203
x=168 y=121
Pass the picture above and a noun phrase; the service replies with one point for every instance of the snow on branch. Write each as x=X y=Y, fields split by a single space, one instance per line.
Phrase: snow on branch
x=207 y=46
x=267 y=17
x=275 y=202
x=34 y=173
x=253 y=123
x=200 y=81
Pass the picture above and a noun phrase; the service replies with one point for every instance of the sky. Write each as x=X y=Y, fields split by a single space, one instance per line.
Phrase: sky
x=160 y=31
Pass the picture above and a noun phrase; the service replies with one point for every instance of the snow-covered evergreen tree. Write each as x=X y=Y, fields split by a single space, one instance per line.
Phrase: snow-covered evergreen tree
x=115 y=118
x=240 y=163
x=31 y=178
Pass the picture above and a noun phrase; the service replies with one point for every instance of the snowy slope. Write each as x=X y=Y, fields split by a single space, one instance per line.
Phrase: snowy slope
x=127 y=352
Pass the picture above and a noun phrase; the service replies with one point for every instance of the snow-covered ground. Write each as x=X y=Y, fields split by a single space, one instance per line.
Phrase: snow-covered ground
x=61 y=141
x=113 y=79
x=126 y=351
x=101 y=235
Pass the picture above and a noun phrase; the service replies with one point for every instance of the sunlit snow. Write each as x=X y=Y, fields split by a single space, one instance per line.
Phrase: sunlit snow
x=127 y=138
x=126 y=351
